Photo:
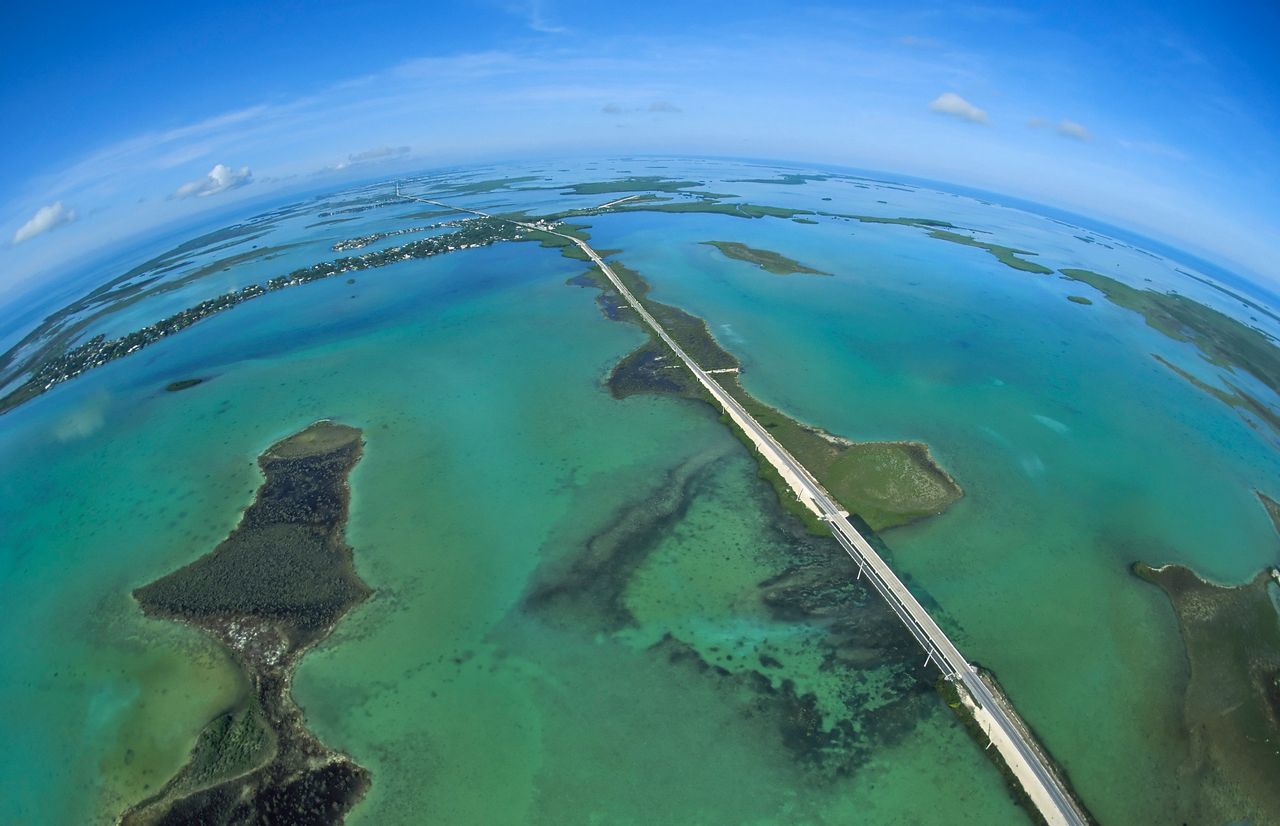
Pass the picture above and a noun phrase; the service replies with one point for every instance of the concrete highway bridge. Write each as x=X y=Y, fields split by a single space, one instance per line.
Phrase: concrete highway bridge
x=993 y=713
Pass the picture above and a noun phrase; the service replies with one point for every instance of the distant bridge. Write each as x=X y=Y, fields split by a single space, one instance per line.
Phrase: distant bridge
x=995 y=715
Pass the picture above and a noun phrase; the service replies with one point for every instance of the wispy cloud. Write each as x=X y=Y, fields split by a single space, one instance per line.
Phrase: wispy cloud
x=1065 y=128
x=380 y=153
x=220 y=179
x=46 y=218
x=949 y=103
x=534 y=17
x=368 y=156
x=1071 y=129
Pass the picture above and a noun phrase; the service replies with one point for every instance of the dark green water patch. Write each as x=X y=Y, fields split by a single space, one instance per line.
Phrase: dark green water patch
x=1231 y=708
x=273 y=588
x=183 y=384
x=586 y=591
x=827 y=744
x=820 y=666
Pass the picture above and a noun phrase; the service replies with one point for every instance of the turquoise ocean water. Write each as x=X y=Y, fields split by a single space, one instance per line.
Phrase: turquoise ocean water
x=494 y=454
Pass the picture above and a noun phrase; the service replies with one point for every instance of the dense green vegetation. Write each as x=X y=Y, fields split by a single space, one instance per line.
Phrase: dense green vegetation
x=634 y=183
x=1079 y=299
x=233 y=744
x=286 y=561
x=767 y=260
x=887 y=484
x=269 y=591
x=1005 y=255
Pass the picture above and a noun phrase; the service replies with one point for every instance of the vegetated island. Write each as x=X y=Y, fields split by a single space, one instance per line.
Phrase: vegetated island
x=885 y=484
x=1231 y=709
x=272 y=589
x=1222 y=340
x=767 y=260
x=54 y=365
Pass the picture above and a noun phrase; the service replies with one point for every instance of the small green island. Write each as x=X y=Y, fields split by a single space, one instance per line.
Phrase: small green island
x=269 y=592
x=767 y=260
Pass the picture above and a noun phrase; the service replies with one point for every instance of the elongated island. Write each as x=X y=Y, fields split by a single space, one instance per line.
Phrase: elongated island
x=272 y=589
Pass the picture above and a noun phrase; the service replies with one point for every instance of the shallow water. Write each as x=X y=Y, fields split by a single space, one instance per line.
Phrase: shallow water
x=494 y=455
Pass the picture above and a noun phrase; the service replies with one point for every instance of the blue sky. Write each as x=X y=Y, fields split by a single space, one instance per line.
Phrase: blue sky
x=1163 y=117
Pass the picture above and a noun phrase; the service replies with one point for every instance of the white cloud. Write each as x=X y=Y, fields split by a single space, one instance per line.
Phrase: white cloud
x=949 y=103
x=220 y=179
x=1071 y=129
x=46 y=218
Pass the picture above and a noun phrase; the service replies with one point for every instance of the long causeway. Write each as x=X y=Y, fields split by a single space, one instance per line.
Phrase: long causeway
x=1024 y=757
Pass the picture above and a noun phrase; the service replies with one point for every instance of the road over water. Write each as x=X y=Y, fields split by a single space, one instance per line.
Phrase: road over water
x=1015 y=744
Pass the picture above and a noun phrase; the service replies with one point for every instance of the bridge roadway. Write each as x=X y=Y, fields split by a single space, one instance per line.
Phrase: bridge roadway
x=1041 y=784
